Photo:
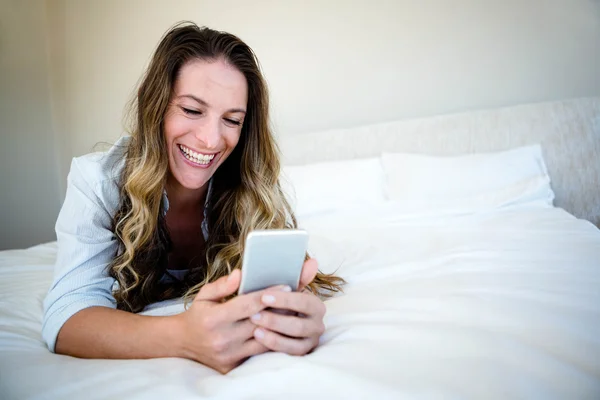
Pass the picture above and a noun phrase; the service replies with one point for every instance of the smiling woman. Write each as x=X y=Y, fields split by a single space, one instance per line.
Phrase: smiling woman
x=203 y=133
x=164 y=213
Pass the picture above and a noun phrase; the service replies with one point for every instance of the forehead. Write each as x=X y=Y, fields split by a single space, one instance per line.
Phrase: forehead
x=216 y=82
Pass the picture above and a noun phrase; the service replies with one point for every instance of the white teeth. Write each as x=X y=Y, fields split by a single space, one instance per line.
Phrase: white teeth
x=196 y=157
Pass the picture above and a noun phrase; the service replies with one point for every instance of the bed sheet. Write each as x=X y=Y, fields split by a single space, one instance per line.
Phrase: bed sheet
x=504 y=304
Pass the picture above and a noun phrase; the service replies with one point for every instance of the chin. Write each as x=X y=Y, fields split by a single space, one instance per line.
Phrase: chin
x=192 y=184
x=196 y=186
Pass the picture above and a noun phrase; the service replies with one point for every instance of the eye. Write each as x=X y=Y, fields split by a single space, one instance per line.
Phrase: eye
x=233 y=121
x=191 y=112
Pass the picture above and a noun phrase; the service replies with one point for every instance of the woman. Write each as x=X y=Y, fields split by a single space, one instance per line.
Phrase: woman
x=164 y=214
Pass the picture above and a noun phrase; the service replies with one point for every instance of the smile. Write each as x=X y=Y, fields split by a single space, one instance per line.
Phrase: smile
x=196 y=158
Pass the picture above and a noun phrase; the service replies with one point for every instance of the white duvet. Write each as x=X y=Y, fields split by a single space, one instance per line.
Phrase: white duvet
x=498 y=305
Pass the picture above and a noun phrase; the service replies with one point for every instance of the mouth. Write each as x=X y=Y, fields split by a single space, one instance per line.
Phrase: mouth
x=196 y=159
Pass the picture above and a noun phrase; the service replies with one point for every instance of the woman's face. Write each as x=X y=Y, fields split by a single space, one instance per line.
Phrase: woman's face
x=204 y=120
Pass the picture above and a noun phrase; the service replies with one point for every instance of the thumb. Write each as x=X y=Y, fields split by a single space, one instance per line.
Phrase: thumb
x=222 y=287
x=309 y=271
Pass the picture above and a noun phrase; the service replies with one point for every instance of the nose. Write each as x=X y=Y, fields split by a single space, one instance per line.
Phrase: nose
x=209 y=133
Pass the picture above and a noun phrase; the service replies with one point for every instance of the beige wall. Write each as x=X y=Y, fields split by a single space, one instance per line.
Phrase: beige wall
x=29 y=192
x=328 y=63
x=347 y=62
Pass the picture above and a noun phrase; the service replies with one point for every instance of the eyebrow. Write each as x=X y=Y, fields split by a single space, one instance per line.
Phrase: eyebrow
x=205 y=104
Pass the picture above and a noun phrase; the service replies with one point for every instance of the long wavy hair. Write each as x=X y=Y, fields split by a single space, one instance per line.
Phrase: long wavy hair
x=245 y=195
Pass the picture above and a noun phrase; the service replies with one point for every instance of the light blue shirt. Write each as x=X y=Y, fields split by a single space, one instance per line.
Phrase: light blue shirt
x=86 y=241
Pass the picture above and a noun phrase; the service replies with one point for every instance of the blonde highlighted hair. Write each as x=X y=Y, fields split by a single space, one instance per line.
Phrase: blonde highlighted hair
x=246 y=193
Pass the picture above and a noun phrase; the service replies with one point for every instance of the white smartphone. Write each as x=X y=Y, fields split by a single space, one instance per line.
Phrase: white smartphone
x=273 y=257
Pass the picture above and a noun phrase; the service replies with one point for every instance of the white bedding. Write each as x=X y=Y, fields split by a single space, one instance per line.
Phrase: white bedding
x=503 y=304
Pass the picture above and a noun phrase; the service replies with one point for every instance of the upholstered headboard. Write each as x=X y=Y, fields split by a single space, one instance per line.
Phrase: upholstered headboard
x=569 y=132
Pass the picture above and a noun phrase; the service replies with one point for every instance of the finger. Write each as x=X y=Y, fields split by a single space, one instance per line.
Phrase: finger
x=303 y=303
x=240 y=354
x=244 y=306
x=309 y=271
x=289 y=325
x=276 y=342
x=251 y=348
x=243 y=331
x=220 y=288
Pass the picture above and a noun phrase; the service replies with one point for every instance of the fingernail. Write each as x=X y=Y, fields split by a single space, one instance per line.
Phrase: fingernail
x=259 y=333
x=255 y=317
x=286 y=289
x=269 y=299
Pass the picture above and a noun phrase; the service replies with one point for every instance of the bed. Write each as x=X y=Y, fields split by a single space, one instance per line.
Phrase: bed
x=493 y=292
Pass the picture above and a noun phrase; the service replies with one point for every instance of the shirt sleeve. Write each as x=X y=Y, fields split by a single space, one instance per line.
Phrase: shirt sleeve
x=86 y=245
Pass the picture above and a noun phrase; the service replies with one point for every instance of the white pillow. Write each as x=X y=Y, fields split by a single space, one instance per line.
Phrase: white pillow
x=334 y=185
x=467 y=183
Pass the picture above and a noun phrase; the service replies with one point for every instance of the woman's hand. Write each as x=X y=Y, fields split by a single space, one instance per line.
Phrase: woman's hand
x=295 y=333
x=219 y=334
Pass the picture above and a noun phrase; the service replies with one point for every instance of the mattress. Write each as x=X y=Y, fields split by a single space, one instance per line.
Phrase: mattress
x=501 y=304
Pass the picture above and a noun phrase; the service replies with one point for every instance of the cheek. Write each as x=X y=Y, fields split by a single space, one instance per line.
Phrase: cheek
x=174 y=127
x=169 y=129
x=231 y=140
